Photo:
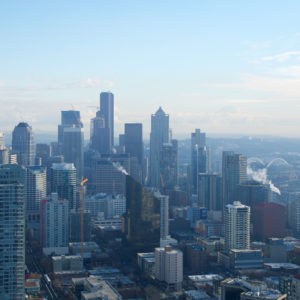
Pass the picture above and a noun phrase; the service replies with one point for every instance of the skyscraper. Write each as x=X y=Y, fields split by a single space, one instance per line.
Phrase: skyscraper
x=234 y=172
x=142 y=219
x=133 y=140
x=36 y=190
x=55 y=225
x=69 y=118
x=237 y=226
x=73 y=148
x=12 y=232
x=199 y=159
x=63 y=182
x=23 y=144
x=100 y=138
x=169 y=266
x=210 y=191
x=168 y=165
x=158 y=136
x=107 y=111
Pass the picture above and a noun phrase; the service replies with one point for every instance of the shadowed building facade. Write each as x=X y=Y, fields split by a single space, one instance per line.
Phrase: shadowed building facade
x=141 y=223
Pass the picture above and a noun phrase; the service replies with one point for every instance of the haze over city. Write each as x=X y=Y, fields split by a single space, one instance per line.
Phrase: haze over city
x=227 y=66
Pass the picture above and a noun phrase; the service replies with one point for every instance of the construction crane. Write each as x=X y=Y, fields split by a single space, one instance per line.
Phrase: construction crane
x=83 y=181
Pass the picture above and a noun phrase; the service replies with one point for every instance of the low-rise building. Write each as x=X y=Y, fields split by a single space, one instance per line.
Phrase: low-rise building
x=67 y=263
x=268 y=294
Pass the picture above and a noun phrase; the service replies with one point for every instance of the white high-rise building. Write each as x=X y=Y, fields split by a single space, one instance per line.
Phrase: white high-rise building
x=55 y=225
x=169 y=266
x=158 y=136
x=237 y=226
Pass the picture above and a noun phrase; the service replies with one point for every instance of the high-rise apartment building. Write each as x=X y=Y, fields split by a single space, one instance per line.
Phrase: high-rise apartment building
x=107 y=111
x=23 y=144
x=12 y=232
x=237 y=226
x=73 y=148
x=158 y=136
x=210 y=191
x=55 y=225
x=234 y=172
x=63 y=182
x=169 y=266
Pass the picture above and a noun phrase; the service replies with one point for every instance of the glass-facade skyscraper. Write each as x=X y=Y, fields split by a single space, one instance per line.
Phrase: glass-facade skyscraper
x=12 y=232
x=107 y=111
x=23 y=144
x=158 y=136
x=142 y=219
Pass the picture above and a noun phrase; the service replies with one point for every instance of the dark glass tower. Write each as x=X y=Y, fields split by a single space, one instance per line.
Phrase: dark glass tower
x=107 y=111
x=134 y=140
x=142 y=219
x=23 y=144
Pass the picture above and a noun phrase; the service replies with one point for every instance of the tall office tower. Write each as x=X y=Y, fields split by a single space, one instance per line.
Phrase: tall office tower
x=133 y=141
x=36 y=190
x=2 y=141
x=23 y=145
x=294 y=219
x=107 y=111
x=158 y=136
x=168 y=165
x=75 y=226
x=269 y=220
x=198 y=157
x=251 y=192
x=210 y=191
x=69 y=118
x=107 y=176
x=169 y=266
x=234 y=172
x=43 y=152
x=100 y=135
x=63 y=182
x=12 y=232
x=55 y=225
x=164 y=214
x=73 y=148
x=4 y=156
x=141 y=222
x=237 y=226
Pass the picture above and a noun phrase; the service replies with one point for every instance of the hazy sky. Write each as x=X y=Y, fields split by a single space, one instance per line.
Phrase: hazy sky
x=223 y=66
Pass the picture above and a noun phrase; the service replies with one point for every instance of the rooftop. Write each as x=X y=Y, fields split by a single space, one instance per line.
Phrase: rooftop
x=63 y=166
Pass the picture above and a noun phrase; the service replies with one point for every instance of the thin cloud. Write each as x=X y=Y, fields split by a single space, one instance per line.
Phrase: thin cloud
x=282 y=57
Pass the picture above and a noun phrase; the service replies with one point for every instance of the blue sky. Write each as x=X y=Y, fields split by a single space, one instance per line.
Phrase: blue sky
x=227 y=67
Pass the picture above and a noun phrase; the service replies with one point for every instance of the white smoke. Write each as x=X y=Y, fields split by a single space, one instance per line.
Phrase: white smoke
x=261 y=176
x=120 y=168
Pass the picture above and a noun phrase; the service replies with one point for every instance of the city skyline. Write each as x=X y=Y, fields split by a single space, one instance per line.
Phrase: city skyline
x=233 y=74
